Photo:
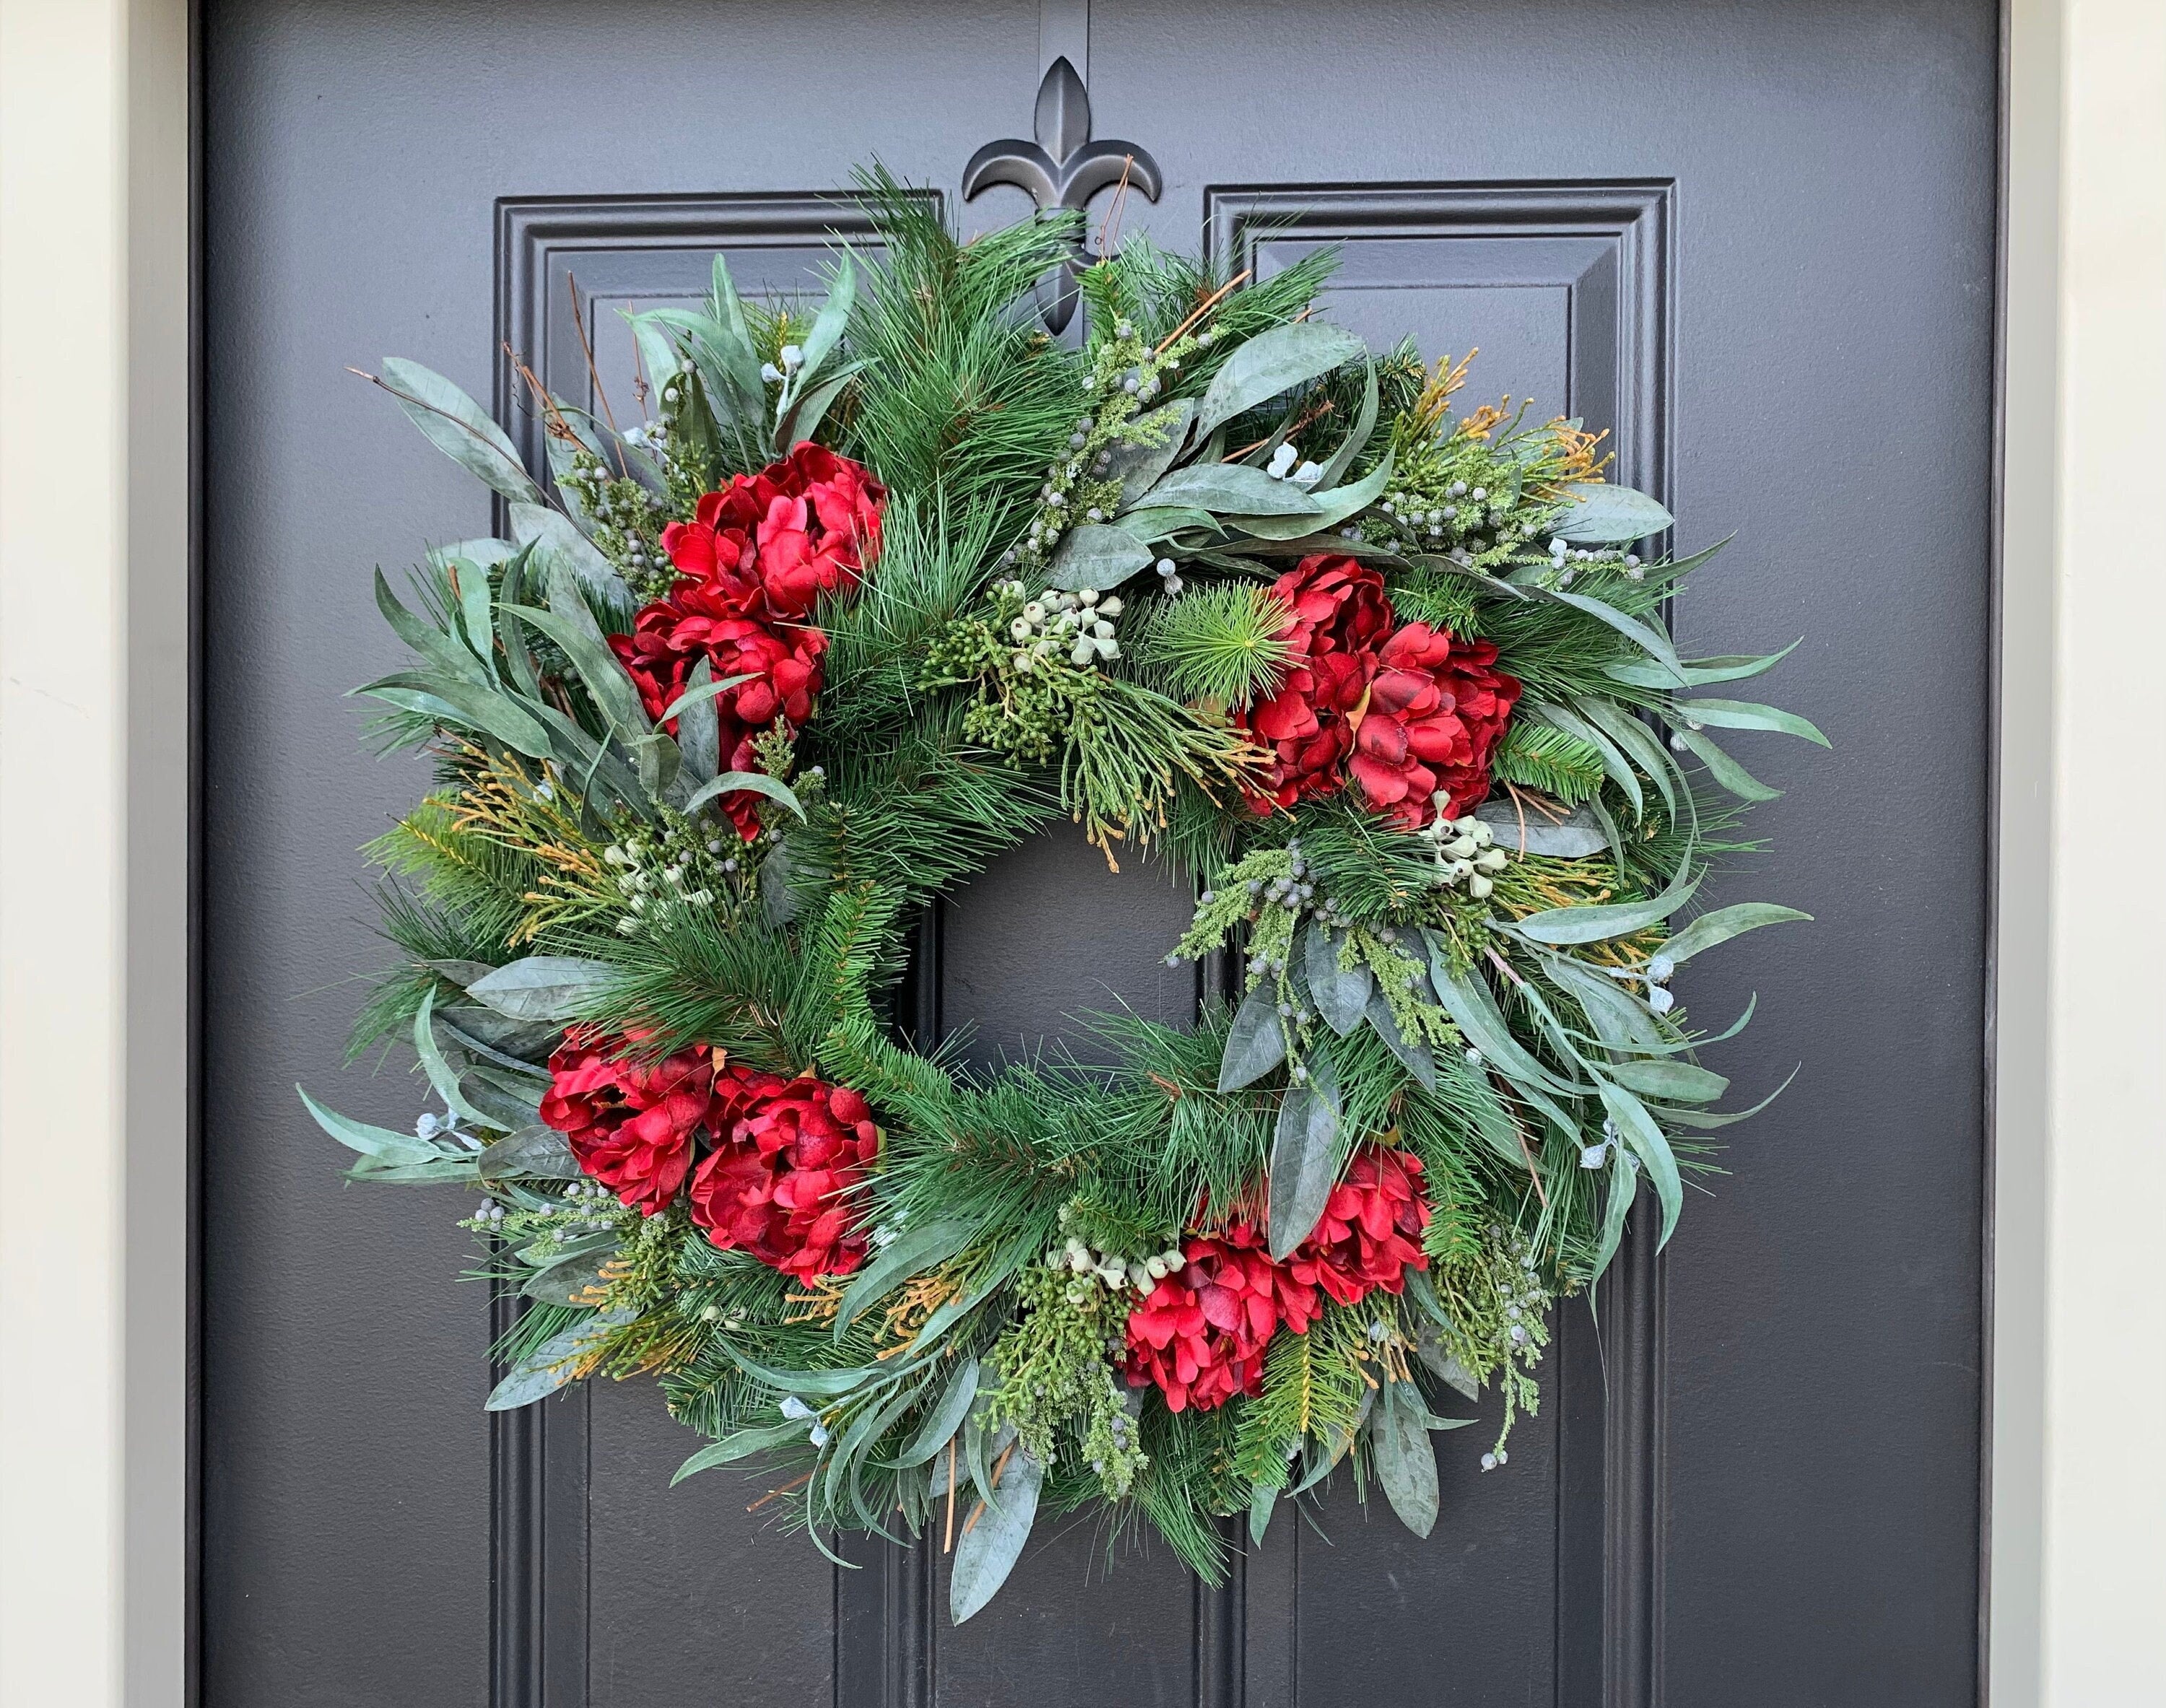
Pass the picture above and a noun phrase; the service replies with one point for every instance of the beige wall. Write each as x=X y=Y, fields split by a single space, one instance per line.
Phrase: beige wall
x=92 y=485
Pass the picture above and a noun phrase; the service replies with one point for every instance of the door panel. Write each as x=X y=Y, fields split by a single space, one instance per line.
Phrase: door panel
x=1756 y=245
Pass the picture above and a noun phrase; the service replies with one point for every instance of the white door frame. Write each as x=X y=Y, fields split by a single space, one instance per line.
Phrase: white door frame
x=96 y=532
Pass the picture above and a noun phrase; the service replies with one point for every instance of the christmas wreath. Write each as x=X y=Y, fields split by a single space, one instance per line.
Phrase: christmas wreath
x=886 y=586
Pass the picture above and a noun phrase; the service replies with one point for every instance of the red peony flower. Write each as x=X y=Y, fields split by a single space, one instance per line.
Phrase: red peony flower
x=1436 y=710
x=1200 y=1336
x=630 y=1124
x=1370 y=1233
x=1337 y=616
x=801 y=527
x=776 y=1183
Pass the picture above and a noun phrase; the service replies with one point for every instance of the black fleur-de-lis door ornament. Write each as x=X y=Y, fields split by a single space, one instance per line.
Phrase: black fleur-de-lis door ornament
x=1063 y=168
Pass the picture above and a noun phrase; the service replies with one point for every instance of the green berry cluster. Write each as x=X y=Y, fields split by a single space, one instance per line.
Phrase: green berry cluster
x=1033 y=684
x=1054 y=1368
x=627 y=522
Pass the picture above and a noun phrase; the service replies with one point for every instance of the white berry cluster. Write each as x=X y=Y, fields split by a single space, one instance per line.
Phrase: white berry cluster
x=1078 y=625
x=653 y=878
x=1565 y=560
x=1465 y=853
x=1114 y=1270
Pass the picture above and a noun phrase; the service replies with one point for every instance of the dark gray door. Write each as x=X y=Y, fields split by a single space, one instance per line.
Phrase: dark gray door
x=1755 y=242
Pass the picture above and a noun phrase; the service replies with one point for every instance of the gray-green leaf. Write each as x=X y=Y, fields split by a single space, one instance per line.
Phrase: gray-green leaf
x=1342 y=997
x=541 y=987
x=1406 y=1459
x=459 y=427
x=1095 y=554
x=988 y=1550
x=1726 y=770
x=531 y=1153
x=912 y=1251
x=1330 y=508
x=1724 y=924
x=1673 y=1082
x=1154 y=441
x=1749 y=715
x=547 y=1367
x=1303 y=1162
x=1416 y=1056
x=1256 y=1043
x=941 y=1422
x=1595 y=925
x=732 y=782
x=741 y=1444
x=1575 y=838
x=1230 y=489
x=1271 y=363
x=1599 y=513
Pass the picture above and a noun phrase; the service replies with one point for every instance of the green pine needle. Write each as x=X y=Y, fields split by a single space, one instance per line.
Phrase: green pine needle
x=1223 y=644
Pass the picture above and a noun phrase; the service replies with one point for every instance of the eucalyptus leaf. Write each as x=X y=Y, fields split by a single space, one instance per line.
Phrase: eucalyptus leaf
x=1722 y=925
x=581 y=636
x=829 y=324
x=548 y=1367
x=1596 y=925
x=1646 y=636
x=1574 y=838
x=1637 y=740
x=911 y=1251
x=1698 y=672
x=740 y=1444
x=658 y=761
x=531 y=1153
x=1256 y=1043
x=568 y=1283
x=1466 y=998
x=542 y=986
x=1673 y=1082
x=1148 y=448
x=945 y=1418
x=441 y=1074
x=732 y=782
x=1095 y=554
x=1331 y=508
x=1272 y=363
x=1726 y=770
x=438 y=648
x=1615 y=764
x=505 y=1100
x=379 y=1142
x=459 y=427
x=1623 y=1186
x=1159 y=521
x=1599 y=513
x=555 y=541
x=1650 y=1145
x=1430 y=1348
x=1304 y=1160
x=484 y=1032
x=699 y=740
x=1405 y=1459
x=1341 y=997
x=1414 y=1056
x=1746 y=715
x=1263 y=1501
x=988 y=1549
x=1229 y=489
x=1364 y=423
x=482 y=709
